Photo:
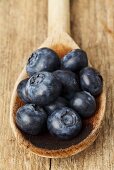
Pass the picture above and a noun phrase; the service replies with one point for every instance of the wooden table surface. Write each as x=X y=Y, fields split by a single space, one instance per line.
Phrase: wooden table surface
x=23 y=27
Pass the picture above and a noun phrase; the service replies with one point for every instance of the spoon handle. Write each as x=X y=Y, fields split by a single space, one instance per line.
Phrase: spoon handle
x=58 y=16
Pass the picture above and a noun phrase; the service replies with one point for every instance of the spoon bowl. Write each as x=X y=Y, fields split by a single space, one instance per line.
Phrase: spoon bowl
x=44 y=144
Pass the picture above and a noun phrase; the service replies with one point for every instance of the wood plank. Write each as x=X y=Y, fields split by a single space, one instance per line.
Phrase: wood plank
x=21 y=23
x=93 y=29
x=23 y=27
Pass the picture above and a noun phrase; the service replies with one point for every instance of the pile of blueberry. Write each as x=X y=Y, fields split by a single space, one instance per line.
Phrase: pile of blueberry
x=58 y=94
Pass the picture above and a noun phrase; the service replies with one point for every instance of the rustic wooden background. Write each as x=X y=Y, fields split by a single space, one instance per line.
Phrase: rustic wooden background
x=23 y=27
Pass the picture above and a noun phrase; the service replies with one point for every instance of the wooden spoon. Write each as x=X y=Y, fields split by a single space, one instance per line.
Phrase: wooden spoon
x=46 y=145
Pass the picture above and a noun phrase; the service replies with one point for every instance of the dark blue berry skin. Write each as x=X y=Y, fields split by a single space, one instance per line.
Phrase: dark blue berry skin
x=64 y=123
x=84 y=103
x=91 y=81
x=43 y=88
x=75 y=60
x=57 y=104
x=69 y=82
x=31 y=119
x=21 y=91
x=43 y=59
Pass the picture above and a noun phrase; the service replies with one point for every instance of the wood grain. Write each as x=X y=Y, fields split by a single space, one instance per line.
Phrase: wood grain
x=23 y=27
x=58 y=16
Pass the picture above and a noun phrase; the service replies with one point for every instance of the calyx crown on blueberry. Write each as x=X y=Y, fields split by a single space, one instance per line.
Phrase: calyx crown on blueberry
x=43 y=88
x=58 y=94
x=43 y=59
x=64 y=123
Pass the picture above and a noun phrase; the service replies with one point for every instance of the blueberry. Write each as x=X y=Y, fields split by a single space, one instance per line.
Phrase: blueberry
x=21 y=91
x=43 y=59
x=69 y=81
x=57 y=104
x=91 y=81
x=84 y=103
x=75 y=60
x=43 y=88
x=31 y=119
x=64 y=123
